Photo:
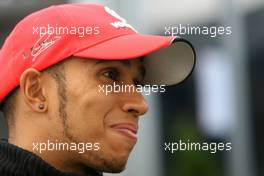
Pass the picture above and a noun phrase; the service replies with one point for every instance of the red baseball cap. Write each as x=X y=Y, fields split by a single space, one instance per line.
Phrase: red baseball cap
x=92 y=31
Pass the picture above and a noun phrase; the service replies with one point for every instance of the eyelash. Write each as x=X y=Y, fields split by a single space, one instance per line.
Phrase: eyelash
x=114 y=77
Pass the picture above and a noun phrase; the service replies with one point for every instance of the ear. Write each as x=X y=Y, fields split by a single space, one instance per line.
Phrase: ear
x=31 y=85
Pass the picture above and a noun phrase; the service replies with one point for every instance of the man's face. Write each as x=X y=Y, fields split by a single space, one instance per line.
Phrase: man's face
x=91 y=116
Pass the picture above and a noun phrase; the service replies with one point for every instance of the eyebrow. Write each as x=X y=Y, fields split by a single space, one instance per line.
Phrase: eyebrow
x=127 y=64
x=124 y=62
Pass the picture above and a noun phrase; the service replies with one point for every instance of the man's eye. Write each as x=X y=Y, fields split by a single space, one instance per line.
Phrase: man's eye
x=112 y=74
x=138 y=83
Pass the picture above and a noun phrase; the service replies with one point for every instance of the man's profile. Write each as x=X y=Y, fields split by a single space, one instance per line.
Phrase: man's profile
x=59 y=122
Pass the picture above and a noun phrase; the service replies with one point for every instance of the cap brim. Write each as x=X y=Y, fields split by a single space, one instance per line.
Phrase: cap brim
x=168 y=60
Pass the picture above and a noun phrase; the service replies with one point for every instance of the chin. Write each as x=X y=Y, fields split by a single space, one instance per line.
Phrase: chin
x=118 y=162
x=115 y=167
x=111 y=163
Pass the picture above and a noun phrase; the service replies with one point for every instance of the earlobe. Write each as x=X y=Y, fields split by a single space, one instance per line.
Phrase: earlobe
x=32 y=89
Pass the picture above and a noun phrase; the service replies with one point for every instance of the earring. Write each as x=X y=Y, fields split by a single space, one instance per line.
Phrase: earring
x=41 y=106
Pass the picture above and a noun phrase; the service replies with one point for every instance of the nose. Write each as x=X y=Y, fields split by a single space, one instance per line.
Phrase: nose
x=135 y=104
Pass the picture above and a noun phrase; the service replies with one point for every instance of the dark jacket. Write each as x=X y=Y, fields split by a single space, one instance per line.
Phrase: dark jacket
x=15 y=161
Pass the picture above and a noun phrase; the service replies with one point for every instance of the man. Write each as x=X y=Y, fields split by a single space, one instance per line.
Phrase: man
x=54 y=78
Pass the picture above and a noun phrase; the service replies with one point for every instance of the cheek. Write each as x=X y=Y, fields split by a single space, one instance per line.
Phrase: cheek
x=89 y=120
x=87 y=114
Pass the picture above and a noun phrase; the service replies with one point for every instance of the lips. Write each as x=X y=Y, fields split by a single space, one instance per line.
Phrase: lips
x=129 y=130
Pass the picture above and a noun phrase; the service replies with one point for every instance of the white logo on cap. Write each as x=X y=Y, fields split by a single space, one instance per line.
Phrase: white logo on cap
x=41 y=45
x=118 y=24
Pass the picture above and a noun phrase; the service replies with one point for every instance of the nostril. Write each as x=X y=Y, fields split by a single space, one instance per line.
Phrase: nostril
x=133 y=111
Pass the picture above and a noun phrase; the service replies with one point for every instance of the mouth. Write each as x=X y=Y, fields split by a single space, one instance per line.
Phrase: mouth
x=128 y=130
